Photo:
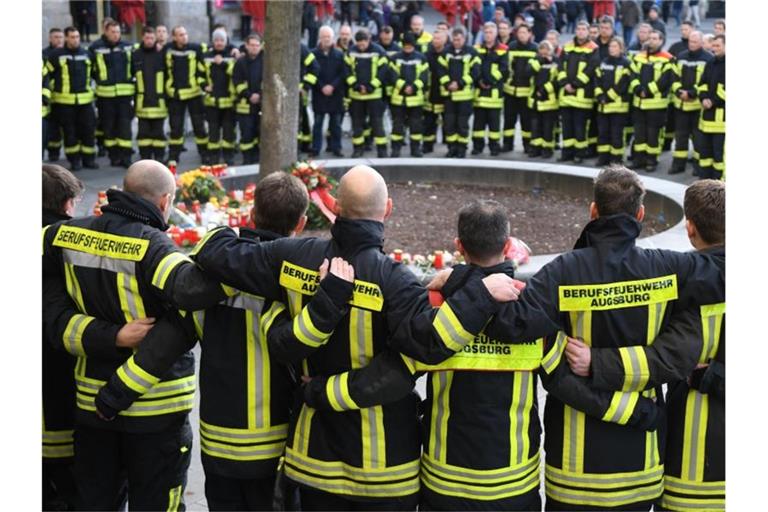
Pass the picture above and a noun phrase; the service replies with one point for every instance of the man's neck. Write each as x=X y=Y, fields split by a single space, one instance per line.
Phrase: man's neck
x=484 y=263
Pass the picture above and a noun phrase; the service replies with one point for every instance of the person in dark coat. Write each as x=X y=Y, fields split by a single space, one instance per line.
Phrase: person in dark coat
x=629 y=14
x=328 y=92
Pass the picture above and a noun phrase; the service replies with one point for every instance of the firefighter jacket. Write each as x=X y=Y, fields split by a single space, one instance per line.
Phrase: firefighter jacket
x=409 y=69
x=245 y=394
x=612 y=79
x=461 y=66
x=689 y=67
x=308 y=70
x=423 y=41
x=331 y=70
x=371 y=452
x=184 y=70
x=652 y=76
x=391 y=50
x=46 y=92
x=518 y=83
x=435 y=97
x=712 y=87
x=219 y=76
x=578 y=63
x=608 y=292
x=149 y=71
x=543 y=84
x=247 y=77
x=369 y=69
x=118 y=267
x=112 y=68
x=70 y=72
x=493 y=73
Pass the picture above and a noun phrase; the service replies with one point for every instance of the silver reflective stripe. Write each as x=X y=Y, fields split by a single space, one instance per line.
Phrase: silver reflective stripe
x=362 y=358
x=697 y=406
x=657 y=325
x=511 y=474
x=160 y=388
x=304 y=329
x=580 y=324
x=712 y=320
x=574 y=441
x=180 y=53
x=72 y=340
x=57 y=436
x=623 y=403
x=410 y=471
x=701 y=504
x=654 y=448
x=325 y=485
x=696 y=487
x=339 y=397
x=136 y=378
x=244 y=301
x=474 y=491
x=83 y=259
x=258 y=363
x=370 y=412
x=635 y=495
x=183 y=402
x=556 y=350
x=608 y=480
x=442 y=381
x=273 y=451
x=130 y=299
x=635 y=363
x=520 y=413
x=442 y=319
x=88 y=385
x=246 y=436
x=303 y=421
x=168 y=262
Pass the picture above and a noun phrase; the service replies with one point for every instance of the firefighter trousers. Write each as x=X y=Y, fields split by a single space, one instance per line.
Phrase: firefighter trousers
x=115 y=115
x=374 y=110
x=543 y=129
x=151 y=138
x=490 y=117
x=305 y=135
x=431 y=122
x=176 y=111
x=516 y=108
x=711 y=155
x=574 y=121
x=411 y=117
x=221 y=131
x=648 y=126
x=250 y=128
x=610 y=137
x=224 y=493
x=592 y=133
x=315 y=500
x=54 y=133
x=686 y=128
x=456 y=122
x=557 y=506
x=527 y=502
x=78 y=123
x=59 y=490
x=154 y=465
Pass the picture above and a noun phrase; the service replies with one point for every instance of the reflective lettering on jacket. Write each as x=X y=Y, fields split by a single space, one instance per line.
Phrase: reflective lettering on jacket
x=305 y=281
x=596 y=297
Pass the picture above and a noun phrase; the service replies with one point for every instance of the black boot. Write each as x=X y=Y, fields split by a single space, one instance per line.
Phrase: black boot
x=461 y=151
x=416 y=150
x=427 y=147
x=639 y=161
x=381 y=151
x=74 y=163
x=534 y=151
x=507 y=146
x=495 y=148
x=678 y=166
x=229 y=156
x=102 y=151
x=451 y=151
x=89 y=162
x=566 y=155
x=395 y=150
x=547 y=153
x=358 y=152
x=603 y=159
x=53 y=155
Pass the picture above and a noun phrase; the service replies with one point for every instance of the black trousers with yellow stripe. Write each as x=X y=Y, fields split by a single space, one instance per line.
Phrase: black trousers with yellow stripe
x=176 y=111
x=456 y=123
x=154 y=466
x=543 y=130
x=373 y=110
x=78 y=123
x=151 y=139
x=711 y=155
x=610 y=138
x=490 y=117
x=514 y=108
x=115 y=115
x=221 y=132
x=686 y=129
x=403 y=116
x=574 y=121
x=648 y=127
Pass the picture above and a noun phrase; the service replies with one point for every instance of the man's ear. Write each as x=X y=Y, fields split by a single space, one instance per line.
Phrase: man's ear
x=507 y=246
x=300 y=225
x=388 y=211
x=640 y=213
x=336 y=208
x=69 y=207
x=164 y=202
x=459 y=246
x=593 y=213
x=690 y=229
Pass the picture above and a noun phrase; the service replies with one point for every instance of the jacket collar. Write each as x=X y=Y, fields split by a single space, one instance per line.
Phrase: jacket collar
x=127 y=204
x=354 y=236
x=262 y=235
x=620 y=229
x=52 y=217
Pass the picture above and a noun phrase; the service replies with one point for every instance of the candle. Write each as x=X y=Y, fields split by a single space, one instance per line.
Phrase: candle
x=438 y=263
x=398 y=255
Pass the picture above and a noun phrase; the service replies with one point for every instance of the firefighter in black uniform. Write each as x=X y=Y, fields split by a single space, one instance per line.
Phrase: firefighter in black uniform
x=410 y=72
x=711 y=90
x=689 y=67
x=488 y=101
x=308 y=78
x=149 y=70
x=367 y=74
x=652 y=76
x=459 y=70
x=185 y=75
x=247 y=76
x=391 y=48
x=517 y=89
x=219 y=100
x=53 y=130
x=435 y=101
x=543 y=101
x=114 y=91
x=119 y=267
x=72 y=99
x=612 y=95
x=334 y=455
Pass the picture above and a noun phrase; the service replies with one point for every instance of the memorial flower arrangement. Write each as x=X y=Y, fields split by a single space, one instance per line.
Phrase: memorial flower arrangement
x=198 y=185
x=319 y=185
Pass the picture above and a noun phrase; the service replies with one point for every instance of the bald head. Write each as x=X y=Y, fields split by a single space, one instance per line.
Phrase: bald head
x=363 y=194
x=149 y=179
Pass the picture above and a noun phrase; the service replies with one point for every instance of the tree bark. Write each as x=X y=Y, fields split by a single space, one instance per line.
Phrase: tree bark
x=280 y=104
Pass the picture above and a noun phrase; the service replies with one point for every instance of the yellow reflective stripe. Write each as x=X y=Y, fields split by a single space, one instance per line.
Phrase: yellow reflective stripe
x=450 y=330
x=373 y=437
x=131 y=302
x=165 y=267
x=337 y=391
x=135 y=377
x=269 y=317
x=678 y=503
x=198 y=317
x=73 y=286
x=411 y=364
x=258 y=372
x=603 y=481
x=694 y=436
x=145 y=408
x=655 y=316
x=174 y=499
x=352 y=488
x=73 y=334
x=360 y=337
x=479 y=476
x=573 y=420
x=242 y=453
x=711 y=326
x=550 y=361
x=635 y=365
x=602 y=498
x=232 y=435
x=338 y=469
x=301 y=432
x=58 y=451
x=101 y=244
x=306 y=332
x=596 y=297
x=441 y=411
x=683 y=486
x=210 y=233
x=520 y=417
x=621 y=408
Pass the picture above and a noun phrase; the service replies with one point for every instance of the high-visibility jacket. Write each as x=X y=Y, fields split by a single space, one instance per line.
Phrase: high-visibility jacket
x=220 y=77
x=370 y=452
x=689 y=68
x=391 y=50
x=610 y=293
x=308 y=70
x=422 y=41
x=46 y=92
x=118 y=267
x=409 y=69
x=461 y=66
x=543 y=84
x=247 y=77
x=518 y=83
x=652 y=74
x=578 y=63
x=70 y=72
x=112 y=68
x=712 y=87
x=493 y=72
x=149 y=70
x=184 y=70
x=435 y=97
x=367 y=68
x=612 y=79
x=245 y=393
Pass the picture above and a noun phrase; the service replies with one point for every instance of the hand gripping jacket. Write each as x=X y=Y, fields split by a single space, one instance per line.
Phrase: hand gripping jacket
x=219 y=76
x=543 y=85
x=652 y=73
x=689 y=68
x=494 y=70
x=370 y=452
x=246 y=77
x=712 y=87
x=461 y=66
x=70 y=74
x=519 y=75
x=608 y=292
x=112 y=68
x=612 y=79
x=578 y=63
x=119 y=267
x=368 y=68
x=409 y=69
x=148 y=66
x=185 y=70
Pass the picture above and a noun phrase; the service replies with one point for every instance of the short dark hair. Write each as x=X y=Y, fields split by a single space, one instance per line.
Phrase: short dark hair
x=69 y=30
x=688 y=22
x=607 y=19
x=582 y=23
x=111 y=23
x=362 y=35
x=54 y=30
x=618 y=190
x=720 y=37
x=443 y=22
x=59 y=186
x=148 y=30
x=720 y=21
x=280 y=201
x=252 y=35
x=483 y=228
x=704 y=206
x=386 y=29
x=459 y=31
x=525 y=26
x=219 y=25
x=505 y=21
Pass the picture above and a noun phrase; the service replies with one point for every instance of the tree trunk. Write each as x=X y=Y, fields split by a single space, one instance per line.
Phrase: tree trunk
x=280 y=104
